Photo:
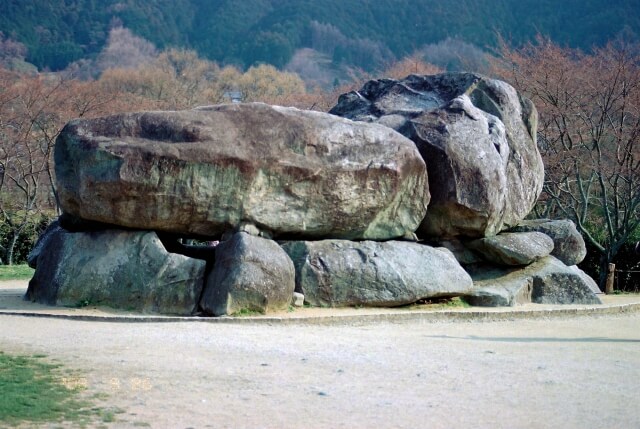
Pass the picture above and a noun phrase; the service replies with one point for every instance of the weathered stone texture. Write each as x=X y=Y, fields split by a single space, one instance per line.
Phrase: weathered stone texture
x=250 y=273
x=337 y=273
x=206 y=171
x=522 y=248
x=546 y=281
x=569 y=245
x=120 y=269
x=477 y=137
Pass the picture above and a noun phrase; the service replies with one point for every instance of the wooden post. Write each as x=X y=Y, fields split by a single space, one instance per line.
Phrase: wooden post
x=610 y=277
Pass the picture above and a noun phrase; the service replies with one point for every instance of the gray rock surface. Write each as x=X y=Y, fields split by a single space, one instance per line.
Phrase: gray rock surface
x=297 y=300
x=477 y=137
x=499 y=287
x=586 y=279
x=569 y=245
x=547 y=281
x=119 y=269
x=463 y=254
x=205 y=171
x=250 y=273
x=555 y=283
x=337 y=273
x=511 y=248
x=53 y=229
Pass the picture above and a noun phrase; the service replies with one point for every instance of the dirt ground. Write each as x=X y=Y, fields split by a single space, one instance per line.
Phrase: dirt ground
x=574 y=372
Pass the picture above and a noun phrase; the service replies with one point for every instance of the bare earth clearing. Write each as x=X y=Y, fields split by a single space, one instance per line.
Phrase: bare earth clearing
x=579 y=372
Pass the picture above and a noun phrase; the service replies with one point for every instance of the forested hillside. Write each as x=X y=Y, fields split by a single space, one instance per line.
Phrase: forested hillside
x=365 y=33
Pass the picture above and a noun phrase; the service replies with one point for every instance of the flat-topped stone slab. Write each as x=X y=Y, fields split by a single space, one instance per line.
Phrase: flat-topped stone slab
x=202 y=172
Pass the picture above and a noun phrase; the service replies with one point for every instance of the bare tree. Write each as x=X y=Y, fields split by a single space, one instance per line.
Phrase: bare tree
x=589 y=136
x=33 y=110
x=365 y=53
x=267 y=84
x=412 y=64
x=326 y=37
x=125 y=50
x=11 y=49
x=454 y=54
x=176 y=79
x=24 y=155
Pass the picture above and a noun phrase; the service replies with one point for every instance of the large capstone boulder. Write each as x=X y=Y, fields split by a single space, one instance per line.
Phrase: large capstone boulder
x=250 y=274
x=569 y=245
x=202 y=172
x=337 y=273
x=119 y=269
x=477 y=137
x=546 y=281
x=513 y=248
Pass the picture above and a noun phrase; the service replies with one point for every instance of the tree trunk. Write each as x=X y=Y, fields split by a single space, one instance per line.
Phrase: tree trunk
x=604 y=271
x=611 y=272
x=11 y=247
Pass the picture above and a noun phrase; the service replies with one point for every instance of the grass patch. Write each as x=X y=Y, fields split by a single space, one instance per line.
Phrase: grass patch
x=246 y=312
x=16 y=272
x=625 y=292
x=35 y=391
x=439 y=304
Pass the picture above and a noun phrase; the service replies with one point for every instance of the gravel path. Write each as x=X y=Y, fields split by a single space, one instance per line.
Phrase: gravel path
x=580 y=372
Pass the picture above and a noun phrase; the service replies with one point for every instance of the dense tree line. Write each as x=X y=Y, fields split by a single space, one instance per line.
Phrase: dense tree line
x=243 y=33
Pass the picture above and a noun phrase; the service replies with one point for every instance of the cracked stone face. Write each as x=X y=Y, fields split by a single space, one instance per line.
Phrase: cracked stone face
x=289 y=172
x=478 y=139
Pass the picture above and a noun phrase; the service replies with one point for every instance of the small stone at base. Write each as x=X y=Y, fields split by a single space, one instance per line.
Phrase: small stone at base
x=297 y=300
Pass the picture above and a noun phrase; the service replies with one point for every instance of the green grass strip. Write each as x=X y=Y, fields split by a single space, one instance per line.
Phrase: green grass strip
x=15 y=272
x=33 y=391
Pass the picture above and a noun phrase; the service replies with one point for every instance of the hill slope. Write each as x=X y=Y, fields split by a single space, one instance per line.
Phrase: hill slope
x=57 y=32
